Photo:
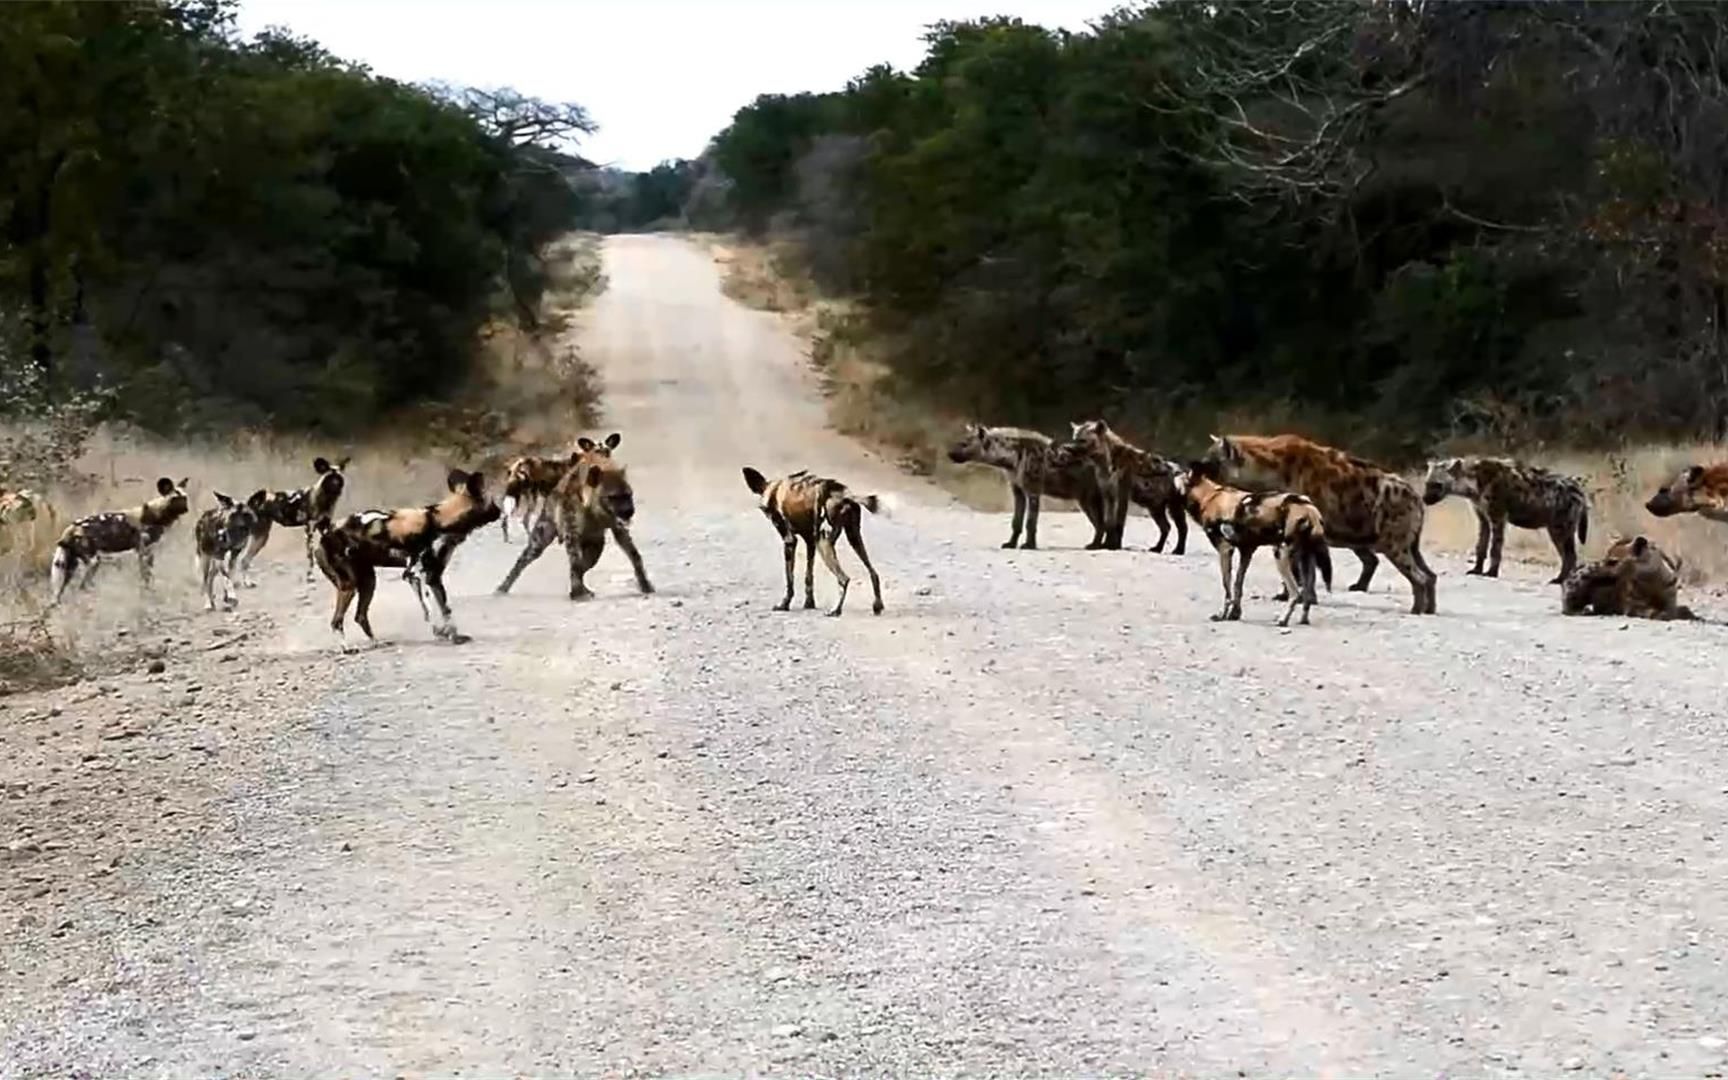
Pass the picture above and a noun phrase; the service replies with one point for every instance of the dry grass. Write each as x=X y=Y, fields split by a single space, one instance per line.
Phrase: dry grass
x=863 y=405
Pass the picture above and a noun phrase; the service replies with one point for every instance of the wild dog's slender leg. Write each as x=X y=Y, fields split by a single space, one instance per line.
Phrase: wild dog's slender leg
x=1496 y=542
x=90 y=568
x=311 y=540
x=1564 y=535
x=146 y=562
x=365 y=584
x=1482 y=532
x=434 y=566
x=627 y=544
x=1415 y=570
x=1225 y=551
x=230 y=590
x=810 y=568
x=855 y=537
x=504 y=518
x=207 y=574
x=344 y=597
x=789 y=548
x=1244 y=555
x=412 y=574
x=825 y=544
x=1034 y=500
x=1292 y=583
x=1019 y=515
x=540 y=538
x=254 y=544
x=1370 y=563
x=584 y=553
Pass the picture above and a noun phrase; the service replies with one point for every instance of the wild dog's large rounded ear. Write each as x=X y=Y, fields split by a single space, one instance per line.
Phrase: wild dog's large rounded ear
x=613 y=440
x=1694 y=474
x=586 y=445
x=456 y=480
x=258 y=498
x=476 y=484
x=164 y=486
x=754 y=480
x=223 y=501
x=320 y=465
x=342 y=463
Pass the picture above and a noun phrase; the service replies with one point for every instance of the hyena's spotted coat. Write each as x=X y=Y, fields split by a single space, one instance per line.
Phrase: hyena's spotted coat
x=593 y=499
x=139 y=529
x=1026 y=457
x=1699 y=489
x=1635 y=578
x=816 y=510
x=1502 y=490
x=1127 y=474
x=1238 y=523
x=418 y=540
x=301 y=508
x=219 y=537
x=1366 y=508
x=530 y=479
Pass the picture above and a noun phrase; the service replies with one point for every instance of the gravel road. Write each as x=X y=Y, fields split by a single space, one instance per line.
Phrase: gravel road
x=1040 y=817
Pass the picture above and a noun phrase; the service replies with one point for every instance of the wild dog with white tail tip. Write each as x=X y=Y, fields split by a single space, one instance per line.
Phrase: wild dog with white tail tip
x=1238 y=523
x=816 y=510
x=300 y=509
x=530 y=479
x=139 y=529
x=220 y=536
x=418 y=540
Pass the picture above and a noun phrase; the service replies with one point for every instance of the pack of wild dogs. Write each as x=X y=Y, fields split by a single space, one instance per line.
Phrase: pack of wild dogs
x=1247 y=492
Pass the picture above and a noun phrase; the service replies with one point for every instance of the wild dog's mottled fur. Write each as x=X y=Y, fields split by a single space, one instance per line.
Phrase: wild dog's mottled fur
x=529 y=479
x=1237 y=521
x=1366 y=508
x=301 y=508
x=1699 y=489
x=1025 y=457
x=220 y=535
x=594 y=498
x=419 y=540
x=1530 y=497
x=816 y=510
x=1634 y=578
x=1127 y=474
x=139 y=529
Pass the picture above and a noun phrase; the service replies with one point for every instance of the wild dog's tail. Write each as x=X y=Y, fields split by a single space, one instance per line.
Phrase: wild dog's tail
x=1311 y=535
x=1323 y=559
x=882 y=505
x=59 y=572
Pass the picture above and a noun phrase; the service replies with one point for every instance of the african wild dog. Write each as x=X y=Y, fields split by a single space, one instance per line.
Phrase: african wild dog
x=1530 y=497
x=220 y=536
x=529 y=479
x=24 y=512
x=1633 y=578
x=1127 y=474
x=1025 y=457
x=301 y=508
x=1238 y=521
x=139 y=529
x=594 y=498
x=1366 y=508
x=418 y=540
x=816 y=510
x=1699 y=489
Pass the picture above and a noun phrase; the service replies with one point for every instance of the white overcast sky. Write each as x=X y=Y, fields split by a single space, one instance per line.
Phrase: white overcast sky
x=660 y=76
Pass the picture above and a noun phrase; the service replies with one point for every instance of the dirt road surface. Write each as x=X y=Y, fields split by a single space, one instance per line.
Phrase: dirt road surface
x=1040 y=817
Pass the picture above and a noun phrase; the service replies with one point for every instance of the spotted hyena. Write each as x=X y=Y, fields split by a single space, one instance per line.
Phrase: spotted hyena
x=818 y=511
x=220 y=536
x=418 y=540
x=1127 y=474
x=594 y=498
x=1501 y=490
x=529 y=479
x=300 y=508
x=114 y=532
x=1238 y=523
x=1366 y=508
x=1026 y=457
x=1633 y=578
x=1698 y=489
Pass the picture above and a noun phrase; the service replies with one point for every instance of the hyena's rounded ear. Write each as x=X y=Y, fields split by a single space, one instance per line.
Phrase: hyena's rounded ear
x=476 y=484
x=456 y=480
x=320 y=465
x=164 y=486
x=1694 y=474
x=586 y=445
x=613 y=440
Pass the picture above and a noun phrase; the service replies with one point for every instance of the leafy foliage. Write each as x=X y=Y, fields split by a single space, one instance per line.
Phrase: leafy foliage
x=221 y=232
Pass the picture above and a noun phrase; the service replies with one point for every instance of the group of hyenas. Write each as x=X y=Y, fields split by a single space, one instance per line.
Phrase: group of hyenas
x=1300 y=498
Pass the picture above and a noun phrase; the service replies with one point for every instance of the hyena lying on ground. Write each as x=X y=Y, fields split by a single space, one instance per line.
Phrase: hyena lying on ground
x=816 y=510
x=1699 y=489
x=1530 y=497
x=220 y=535
x=1127 y=474
x=301 y=508
x=139 y=529
x=1237 y=521
x=594 y=498
x=418 y=540
x=1634 y=578
x=529 y=479
x=1025 y=457
x=1366 y=508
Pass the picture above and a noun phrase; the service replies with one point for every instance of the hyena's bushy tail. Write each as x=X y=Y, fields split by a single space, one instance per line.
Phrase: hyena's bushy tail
x=1584 y=522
